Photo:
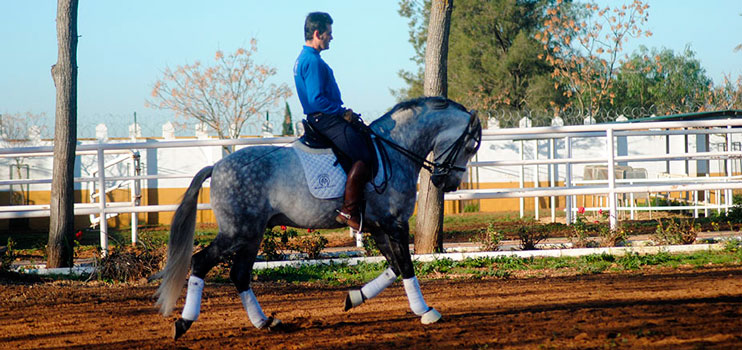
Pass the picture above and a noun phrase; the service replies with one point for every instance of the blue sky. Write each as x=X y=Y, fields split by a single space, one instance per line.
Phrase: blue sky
x=125 y=46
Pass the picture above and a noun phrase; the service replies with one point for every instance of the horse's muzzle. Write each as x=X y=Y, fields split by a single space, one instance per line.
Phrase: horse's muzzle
x=438 y=180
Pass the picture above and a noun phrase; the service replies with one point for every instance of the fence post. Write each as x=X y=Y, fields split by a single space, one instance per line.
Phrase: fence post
x=521 y=200
x=728 y=202
x=536 y=181
x=552 y=175
x=135 y=196
x=611 y=178
x=568 y=183
x=102 y=222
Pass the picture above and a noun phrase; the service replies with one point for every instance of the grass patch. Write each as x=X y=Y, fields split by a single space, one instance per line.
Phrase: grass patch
x=504 y=266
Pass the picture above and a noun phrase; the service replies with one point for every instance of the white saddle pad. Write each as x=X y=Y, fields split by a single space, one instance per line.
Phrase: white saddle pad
x=326 y=180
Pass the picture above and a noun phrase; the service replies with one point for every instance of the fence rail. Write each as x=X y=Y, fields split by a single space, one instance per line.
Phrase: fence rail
x=610 y=187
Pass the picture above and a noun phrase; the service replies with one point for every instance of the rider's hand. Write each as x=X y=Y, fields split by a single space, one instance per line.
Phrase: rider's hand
x=352 y=117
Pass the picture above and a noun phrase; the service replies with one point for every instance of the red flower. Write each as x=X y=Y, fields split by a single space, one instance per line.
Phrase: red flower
x=600 y=211
x=283 y=227
x=581 y=210
x=309 y=230
x=78 y=236
x=597 y=222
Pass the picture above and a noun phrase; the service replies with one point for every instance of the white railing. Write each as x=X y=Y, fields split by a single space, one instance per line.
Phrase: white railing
x=610 y=187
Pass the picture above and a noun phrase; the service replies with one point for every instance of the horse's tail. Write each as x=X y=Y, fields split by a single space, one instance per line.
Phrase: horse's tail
x=180 y=247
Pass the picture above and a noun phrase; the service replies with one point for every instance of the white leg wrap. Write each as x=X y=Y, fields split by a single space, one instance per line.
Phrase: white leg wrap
x=417 y=302
x=192 y=307
x=373 y=288
x=254 y=312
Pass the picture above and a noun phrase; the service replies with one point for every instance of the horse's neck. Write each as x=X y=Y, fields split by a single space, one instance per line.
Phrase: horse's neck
x=414 y=134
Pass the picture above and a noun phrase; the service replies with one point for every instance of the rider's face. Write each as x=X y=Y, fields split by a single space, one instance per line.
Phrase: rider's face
x=323 y=40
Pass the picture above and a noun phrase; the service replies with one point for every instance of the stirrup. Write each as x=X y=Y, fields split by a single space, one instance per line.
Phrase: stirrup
x=346 y=219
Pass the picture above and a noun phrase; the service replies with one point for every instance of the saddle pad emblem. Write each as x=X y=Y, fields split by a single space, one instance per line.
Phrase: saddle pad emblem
x=325 y=179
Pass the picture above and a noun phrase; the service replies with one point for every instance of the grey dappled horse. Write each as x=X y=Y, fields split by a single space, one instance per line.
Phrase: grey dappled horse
x=263 y=186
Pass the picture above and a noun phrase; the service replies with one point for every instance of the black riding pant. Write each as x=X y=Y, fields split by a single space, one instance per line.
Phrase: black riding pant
x=351 y=143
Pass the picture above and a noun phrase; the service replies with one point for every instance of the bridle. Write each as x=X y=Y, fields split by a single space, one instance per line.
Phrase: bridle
x=442 y=168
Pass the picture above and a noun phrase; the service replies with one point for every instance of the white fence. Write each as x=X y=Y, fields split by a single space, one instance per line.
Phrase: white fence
x=560 y=140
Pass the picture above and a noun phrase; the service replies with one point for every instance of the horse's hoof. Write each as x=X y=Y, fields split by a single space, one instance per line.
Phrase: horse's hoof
x=430 y=316
x=180 y=327
x=353 y=299
x=271 y=324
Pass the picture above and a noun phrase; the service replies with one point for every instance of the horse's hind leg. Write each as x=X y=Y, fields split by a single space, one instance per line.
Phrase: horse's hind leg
x=202 y=263
x=241 y=275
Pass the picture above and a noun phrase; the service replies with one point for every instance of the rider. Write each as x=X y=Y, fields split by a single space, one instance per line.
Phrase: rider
x=320 y=98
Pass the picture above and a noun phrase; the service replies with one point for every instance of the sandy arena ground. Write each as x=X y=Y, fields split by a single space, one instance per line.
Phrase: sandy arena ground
x=682 y=308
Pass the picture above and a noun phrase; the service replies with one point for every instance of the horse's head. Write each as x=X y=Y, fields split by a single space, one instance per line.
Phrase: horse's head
x=416 y=127
x=454 y=148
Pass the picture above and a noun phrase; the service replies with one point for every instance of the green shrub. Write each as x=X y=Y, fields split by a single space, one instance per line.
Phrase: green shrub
x=676 y=231
x=311 y=244
x=531 y=235
x=489 y=239
x=369 y=246
x=7 y=256
x=276 y=243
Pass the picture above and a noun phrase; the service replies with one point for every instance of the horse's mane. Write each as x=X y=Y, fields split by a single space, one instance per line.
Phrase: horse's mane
x=435 y=102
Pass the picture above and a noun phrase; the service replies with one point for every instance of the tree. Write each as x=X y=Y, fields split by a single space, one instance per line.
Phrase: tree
x=583 y=46
x=428 y=237
x=493 y=56
x=224 y=96
x=288 y=124
x=727 y=95
x=64 y=74
x=661 y=80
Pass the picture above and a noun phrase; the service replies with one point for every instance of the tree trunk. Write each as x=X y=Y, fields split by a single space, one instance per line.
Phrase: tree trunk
x=428 y=237
x=64 y=73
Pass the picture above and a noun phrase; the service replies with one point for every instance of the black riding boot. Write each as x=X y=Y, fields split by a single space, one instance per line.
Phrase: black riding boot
x=350 y=214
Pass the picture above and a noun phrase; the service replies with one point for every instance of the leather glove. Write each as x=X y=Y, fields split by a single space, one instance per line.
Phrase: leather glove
x=352 y=117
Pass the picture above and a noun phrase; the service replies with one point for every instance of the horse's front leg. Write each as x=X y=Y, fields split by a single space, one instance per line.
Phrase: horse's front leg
x=371 y=289
x=395 y=249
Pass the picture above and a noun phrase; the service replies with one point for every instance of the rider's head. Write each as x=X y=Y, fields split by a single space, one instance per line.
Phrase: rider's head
x=318 y=30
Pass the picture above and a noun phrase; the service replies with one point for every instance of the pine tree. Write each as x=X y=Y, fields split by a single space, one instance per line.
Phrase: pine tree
x=288 y=125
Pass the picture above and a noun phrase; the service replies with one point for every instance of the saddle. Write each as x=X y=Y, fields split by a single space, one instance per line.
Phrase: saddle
x=313 y=139
x=325 y=166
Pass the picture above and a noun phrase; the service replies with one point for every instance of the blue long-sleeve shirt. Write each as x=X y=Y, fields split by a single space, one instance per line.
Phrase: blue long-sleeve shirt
x=315 y=84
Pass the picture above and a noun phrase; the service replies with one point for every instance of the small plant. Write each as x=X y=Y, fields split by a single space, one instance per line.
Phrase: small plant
x=581 y=230
x=613 y=238
x=714 y=226
x=676 y=231
x=276 y=242
x=311 y=244
x=531 y=235
x=369 y=246
x=733 y=245
x=7 y=256
x=489 y=239
x=471 y=208
x=125 y=263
